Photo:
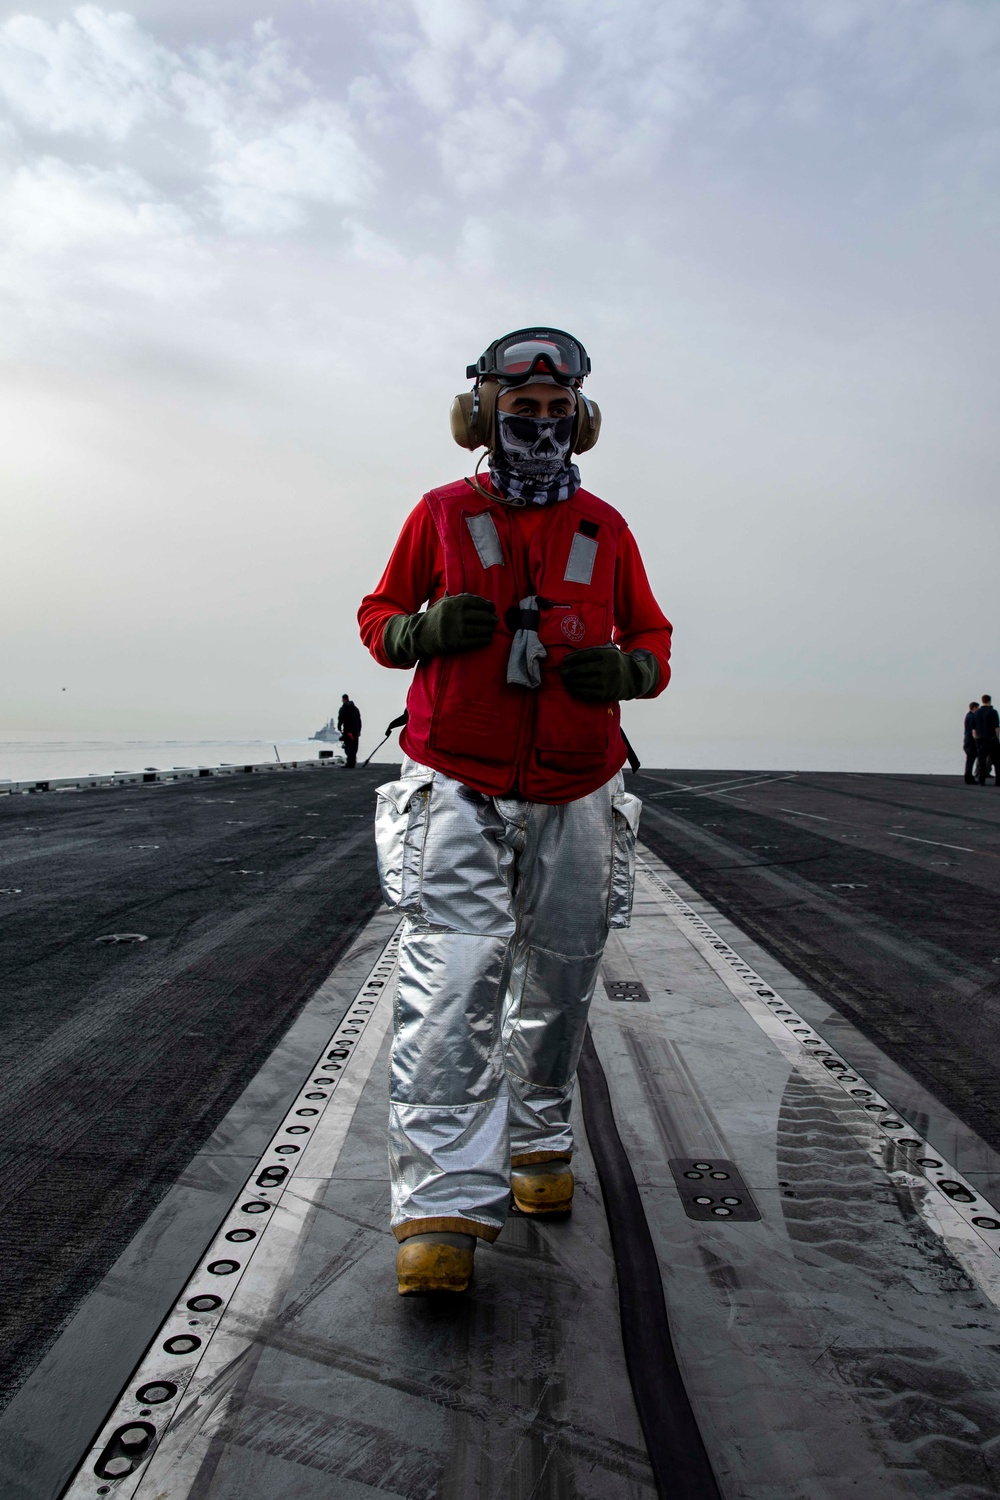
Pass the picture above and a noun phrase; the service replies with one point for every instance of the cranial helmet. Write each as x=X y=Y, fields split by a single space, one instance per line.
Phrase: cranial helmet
x=527 y=355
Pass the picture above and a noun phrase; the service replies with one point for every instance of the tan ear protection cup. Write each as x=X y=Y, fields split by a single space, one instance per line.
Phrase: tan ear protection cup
x=473 y=423
x=588 y=424
x=473 y=416
x=462 y=419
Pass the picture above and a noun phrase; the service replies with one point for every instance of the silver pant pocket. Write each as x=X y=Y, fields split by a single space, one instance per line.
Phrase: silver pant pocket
x=625 y=810
x=401 y=818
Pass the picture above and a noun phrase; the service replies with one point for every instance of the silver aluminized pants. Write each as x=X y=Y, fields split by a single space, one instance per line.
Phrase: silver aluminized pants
x=507 y=907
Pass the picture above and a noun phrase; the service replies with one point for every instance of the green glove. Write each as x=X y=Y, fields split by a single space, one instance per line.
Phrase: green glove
x=458 y=622
x=603 y=674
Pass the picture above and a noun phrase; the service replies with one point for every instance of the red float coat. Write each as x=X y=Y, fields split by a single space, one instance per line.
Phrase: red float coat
x=465 y=719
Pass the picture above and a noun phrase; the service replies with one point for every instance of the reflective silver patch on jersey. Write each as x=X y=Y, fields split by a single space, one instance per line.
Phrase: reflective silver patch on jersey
x=582 y=555
x=485 y=540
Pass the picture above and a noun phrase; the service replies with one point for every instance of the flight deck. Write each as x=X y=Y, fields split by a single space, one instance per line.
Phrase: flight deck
x=781 y=1276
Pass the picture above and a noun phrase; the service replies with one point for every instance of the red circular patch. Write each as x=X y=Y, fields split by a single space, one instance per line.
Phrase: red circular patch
x=573 y=628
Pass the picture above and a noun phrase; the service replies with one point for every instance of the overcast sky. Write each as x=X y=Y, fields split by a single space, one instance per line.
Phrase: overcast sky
x=247 y=252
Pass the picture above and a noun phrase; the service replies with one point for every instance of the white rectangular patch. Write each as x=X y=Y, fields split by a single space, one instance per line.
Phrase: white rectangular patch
x=580 y=567
x=485 y=540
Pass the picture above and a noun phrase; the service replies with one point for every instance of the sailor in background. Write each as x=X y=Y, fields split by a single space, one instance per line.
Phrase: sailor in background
x=509 y=840
x=349 y=724
x=987 y=740
x=969 y=744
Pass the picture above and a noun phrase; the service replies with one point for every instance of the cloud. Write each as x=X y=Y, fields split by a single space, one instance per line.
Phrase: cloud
x=52 y=204
x=82 y=245
x=511 y=101
x=482 y=147
x=524 y=61
x=237 y=134
x=374 y=249
x=534 y=62
x=96 y=75
x=312 y=156
x=134 y=174
x=677 y=115
x=449 y=27
x=444 y=31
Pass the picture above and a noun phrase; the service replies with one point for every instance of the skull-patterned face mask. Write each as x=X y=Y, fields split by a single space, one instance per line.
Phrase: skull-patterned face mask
x=531 y=462
x=535 y=447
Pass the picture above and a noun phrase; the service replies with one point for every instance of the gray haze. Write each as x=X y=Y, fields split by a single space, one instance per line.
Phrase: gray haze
x=247 y=252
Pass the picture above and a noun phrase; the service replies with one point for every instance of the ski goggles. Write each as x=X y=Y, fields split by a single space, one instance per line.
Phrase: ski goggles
x=529 y=353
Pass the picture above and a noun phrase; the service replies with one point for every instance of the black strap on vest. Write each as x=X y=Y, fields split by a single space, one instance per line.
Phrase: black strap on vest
x=633 y=760
x=522 y=619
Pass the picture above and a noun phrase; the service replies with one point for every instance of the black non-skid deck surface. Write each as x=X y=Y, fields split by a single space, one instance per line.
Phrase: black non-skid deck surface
x=120 y=1059
x=881 y=892
x=518 y=1390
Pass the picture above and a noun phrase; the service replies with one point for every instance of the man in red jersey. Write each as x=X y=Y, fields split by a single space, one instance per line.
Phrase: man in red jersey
x=508 y=842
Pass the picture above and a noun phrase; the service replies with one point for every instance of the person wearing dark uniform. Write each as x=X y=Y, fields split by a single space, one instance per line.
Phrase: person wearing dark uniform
x=969 y=744
x=987 y=740
x=349 y=724
x=508 y=843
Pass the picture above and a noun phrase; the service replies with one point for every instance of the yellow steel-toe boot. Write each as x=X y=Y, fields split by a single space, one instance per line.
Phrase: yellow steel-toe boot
x=437 y=1262
x=542 y=1187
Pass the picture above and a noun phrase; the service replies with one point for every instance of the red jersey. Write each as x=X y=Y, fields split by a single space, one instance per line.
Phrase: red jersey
x=465 y=719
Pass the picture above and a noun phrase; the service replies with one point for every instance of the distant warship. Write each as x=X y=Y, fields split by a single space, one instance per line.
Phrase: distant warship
x=330 y=734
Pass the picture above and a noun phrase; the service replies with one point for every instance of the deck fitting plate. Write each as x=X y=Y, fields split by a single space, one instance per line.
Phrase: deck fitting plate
x=713 y=1189
x=625 y=989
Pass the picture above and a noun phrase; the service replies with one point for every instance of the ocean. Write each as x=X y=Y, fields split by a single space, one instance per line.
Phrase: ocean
x=32 y=755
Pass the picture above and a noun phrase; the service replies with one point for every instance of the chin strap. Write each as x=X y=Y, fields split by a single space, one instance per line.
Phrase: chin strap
x=490 y=494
